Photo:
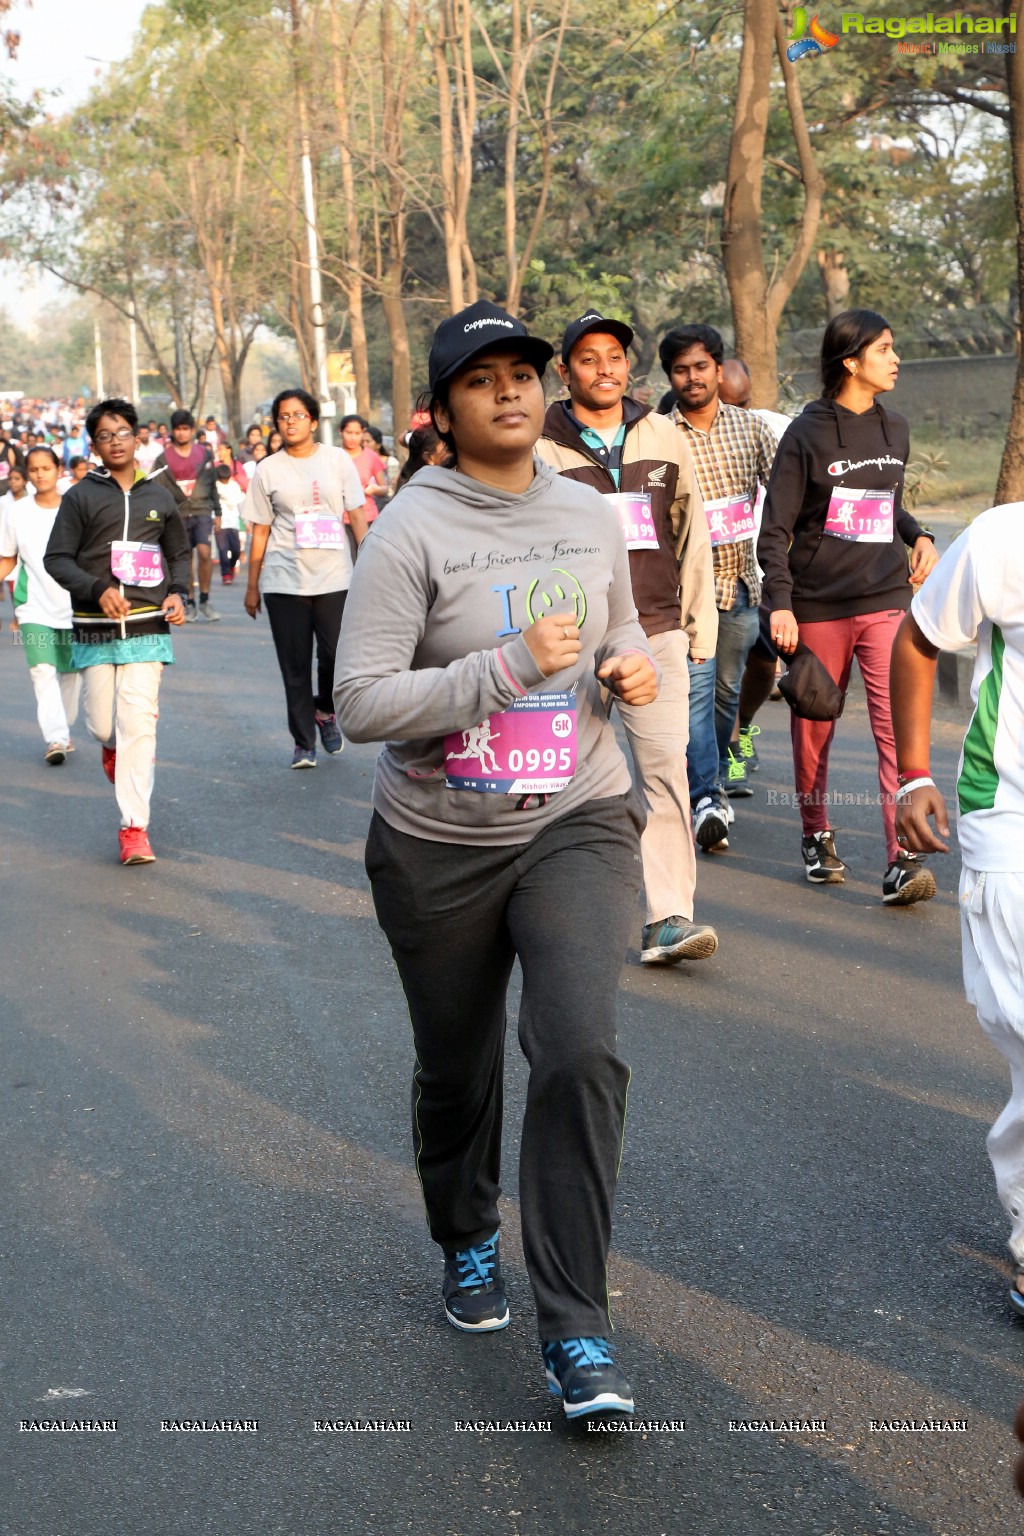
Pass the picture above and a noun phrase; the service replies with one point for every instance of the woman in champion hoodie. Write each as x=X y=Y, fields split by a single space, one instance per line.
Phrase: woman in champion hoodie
x=490 y=603
x=833 y=546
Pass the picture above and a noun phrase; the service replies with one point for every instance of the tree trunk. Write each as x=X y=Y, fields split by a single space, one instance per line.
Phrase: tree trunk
x=1010 y=486
x=450 y=39
x=757 y=304
x=396 y=64
x=353 y=267
x=835 y=280
x=742 y=234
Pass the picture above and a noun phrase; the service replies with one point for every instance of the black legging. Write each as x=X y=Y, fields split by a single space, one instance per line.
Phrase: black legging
x=294 y=621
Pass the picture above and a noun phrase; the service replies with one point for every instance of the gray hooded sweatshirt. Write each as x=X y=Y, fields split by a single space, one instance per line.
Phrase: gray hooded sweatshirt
x=432 y=647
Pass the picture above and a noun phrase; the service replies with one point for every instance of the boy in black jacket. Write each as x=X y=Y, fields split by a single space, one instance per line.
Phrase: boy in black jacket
x=120 y=548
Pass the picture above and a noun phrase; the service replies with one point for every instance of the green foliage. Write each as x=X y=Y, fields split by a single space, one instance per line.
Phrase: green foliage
x=918 y=195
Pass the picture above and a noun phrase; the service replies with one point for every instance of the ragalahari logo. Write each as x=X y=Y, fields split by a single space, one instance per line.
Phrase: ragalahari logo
x=817 y=40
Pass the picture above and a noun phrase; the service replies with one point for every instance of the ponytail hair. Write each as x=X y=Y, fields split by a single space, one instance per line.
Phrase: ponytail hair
x=846 y=336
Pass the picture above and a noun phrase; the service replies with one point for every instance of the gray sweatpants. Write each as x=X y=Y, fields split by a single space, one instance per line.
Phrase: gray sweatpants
x=456 y=918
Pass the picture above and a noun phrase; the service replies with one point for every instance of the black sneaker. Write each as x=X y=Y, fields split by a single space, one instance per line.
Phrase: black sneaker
x=473 y=1290
x=822 y=865
x=710 y=827
x=734 y=777
x=907 y=881
x=582 y=1374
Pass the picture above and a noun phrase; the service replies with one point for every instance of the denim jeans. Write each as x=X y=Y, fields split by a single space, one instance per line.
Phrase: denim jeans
x=715 y=699
x=702 y=749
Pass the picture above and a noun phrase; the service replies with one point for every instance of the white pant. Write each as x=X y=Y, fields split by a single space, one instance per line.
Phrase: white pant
x=56 y=701
x=657 y=735
x=121 y=712
x=992 y=928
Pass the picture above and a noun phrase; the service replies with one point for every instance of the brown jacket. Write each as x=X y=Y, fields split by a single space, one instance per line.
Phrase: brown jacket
x=673 y=586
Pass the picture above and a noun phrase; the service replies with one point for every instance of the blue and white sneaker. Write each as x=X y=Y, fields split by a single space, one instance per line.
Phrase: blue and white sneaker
x=330 y=734
x=581 y=1372
x=677 y=938
x=304 y=757
x=473 y=1290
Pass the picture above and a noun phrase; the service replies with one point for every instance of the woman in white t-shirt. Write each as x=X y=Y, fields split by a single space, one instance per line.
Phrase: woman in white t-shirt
x=299 y=562
x=43 y=608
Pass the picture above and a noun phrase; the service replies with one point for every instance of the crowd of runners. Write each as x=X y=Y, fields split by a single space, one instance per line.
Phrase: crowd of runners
x=537 y=566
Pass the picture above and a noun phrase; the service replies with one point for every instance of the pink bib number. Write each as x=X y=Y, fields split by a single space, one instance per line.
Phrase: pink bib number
x=633 y=509
x=864 y=517
x=730 y=519
x=529 y=749
x=317 y=528
x=137 y=565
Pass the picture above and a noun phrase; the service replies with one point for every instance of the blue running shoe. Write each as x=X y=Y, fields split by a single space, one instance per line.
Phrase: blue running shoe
x=330 y=733
x=473 y=1291
x=582 y=1374
x=677 y=938
x=304 y=757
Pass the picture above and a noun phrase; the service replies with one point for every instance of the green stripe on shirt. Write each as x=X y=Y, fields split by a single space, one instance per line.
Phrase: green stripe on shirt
x=979 y=779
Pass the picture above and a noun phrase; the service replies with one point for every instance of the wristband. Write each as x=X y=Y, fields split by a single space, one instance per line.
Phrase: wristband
x=907 y=789
x=913 y=773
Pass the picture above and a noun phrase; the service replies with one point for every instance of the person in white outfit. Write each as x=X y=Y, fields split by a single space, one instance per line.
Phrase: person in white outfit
x=43 y=608
x=976 y=595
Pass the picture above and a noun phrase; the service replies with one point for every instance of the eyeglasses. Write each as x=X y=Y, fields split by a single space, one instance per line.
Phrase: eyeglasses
x=121 y=435
x=294 y=416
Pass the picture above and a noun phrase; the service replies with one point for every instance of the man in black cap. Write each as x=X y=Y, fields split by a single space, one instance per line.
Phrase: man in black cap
x=602 y=437
x=189 y=473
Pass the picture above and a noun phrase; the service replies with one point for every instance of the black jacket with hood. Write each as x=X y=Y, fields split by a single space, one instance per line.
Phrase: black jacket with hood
x=808 y=571
x=93 y=514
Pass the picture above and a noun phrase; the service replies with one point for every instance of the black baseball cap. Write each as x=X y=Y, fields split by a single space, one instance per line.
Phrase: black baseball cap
x=592 y=321
x=473 y=330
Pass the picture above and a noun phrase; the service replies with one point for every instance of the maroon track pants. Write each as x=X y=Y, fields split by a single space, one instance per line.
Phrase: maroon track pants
x=869 y=637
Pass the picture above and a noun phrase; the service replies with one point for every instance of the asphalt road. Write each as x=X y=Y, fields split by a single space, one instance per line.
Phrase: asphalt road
x=209 y=1209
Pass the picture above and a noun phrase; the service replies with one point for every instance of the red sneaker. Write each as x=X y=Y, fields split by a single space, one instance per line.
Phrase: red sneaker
x=135 y=847
x=109 y=759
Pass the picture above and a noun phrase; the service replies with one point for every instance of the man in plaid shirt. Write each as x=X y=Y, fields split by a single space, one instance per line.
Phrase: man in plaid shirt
x=732 y=453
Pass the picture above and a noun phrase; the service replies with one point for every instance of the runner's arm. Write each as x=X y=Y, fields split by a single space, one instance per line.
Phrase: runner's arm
x=911 y=686
x=175 y=545
x=378 y=694
x=783 y=503
x=698 y=612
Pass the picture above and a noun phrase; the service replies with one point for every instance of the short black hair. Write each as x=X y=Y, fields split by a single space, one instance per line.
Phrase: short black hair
x=309 y=403
x=182 y=419
x=223 y=471
x=122 y=408
x=352 y=417
x=253 y=427
x=686 y=336
x=75 y=459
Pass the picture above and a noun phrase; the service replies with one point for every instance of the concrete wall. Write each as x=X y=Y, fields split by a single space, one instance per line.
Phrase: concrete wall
x=963 y=396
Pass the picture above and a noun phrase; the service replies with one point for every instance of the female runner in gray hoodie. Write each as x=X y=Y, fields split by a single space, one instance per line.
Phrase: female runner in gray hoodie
x=489 y=609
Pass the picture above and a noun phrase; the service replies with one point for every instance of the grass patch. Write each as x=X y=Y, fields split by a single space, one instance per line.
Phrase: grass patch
x=958 y=473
